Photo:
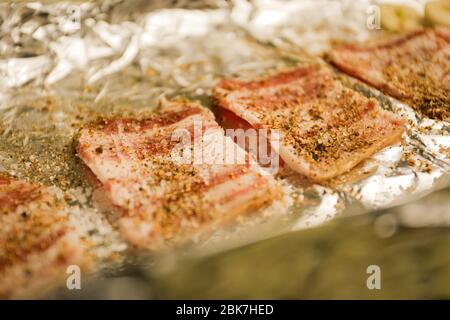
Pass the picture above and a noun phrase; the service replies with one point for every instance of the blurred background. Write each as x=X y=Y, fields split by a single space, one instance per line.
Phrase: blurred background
x=409 y=244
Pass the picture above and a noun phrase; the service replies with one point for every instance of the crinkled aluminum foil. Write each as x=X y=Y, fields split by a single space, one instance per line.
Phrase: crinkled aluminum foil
x=62 y=64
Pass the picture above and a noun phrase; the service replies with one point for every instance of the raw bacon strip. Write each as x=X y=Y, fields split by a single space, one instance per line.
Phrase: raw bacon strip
x=162 y=199
x=325 y=129
x=414 y=68
x=242 y=135
x=37 y=244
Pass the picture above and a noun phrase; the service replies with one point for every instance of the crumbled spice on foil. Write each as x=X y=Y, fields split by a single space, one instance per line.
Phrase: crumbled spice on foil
x=64 y=64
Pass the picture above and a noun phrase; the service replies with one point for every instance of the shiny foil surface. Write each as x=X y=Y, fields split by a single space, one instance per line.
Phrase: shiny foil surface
x=63 y=64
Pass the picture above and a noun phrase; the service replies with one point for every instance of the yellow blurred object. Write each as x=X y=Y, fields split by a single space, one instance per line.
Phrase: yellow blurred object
x=151 y=72
x=399 y=18
x=437 y=13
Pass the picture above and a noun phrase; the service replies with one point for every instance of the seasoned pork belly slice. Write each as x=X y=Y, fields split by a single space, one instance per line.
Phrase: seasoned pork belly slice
x=247 y=137
x=174 y=175
x=325 y=129
x=37 y=242
x=414 y=68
